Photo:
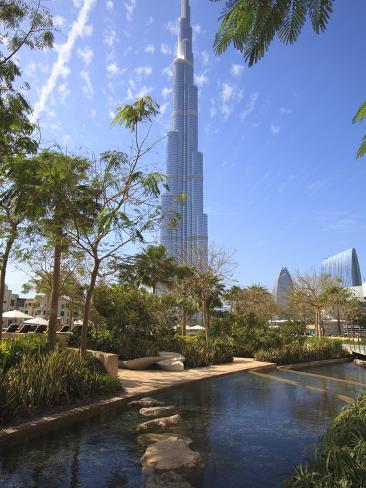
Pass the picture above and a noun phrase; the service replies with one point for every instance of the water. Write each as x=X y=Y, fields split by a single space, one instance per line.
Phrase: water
x=250 y=431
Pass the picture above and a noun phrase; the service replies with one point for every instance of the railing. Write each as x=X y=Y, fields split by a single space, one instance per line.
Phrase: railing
x=356 y=348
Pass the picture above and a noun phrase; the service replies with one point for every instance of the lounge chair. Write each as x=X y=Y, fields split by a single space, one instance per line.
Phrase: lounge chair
x=12 y=328
x=40 y=329
x=65 y=328
x=25 y=328
x=76 y=329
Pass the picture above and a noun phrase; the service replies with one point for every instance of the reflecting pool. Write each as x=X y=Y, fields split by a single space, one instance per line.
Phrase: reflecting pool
x=249 y=429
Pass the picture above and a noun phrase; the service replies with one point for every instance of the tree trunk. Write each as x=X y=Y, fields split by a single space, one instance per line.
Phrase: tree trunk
x=55 y=293
x=184 y=324
x=87 y=305
x=5 y=259
x=339 y=322
x=205 y=316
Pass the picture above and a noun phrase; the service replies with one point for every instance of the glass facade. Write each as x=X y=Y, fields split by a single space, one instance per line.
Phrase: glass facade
x=345 y=267
x=183 y=204
x=282 y=285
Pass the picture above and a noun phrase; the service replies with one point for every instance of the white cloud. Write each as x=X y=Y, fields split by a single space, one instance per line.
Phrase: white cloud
x=275 y=129
x=165 y=49
x=142 y=92
x=200 y=79
x=213 y=108
x=166 y=92
x=163 y=108
x=109 y=4
x=77 y=3
x=230 y=95
x=87 y=87
x=237 y=70
x=173 y=27
x=86 y=55
x=144 y=71
x=150 y=48
x=58 y=21
x=113 y=69
x=196 y=28
x=64 y=92
x=205 y=57
x=168 y=71
x=93 y=112
x=150 y=21
x=250 y=105
x=87 y=31
x=63 y=56
x=130 y=6
x=111 y=39
x=285 y=111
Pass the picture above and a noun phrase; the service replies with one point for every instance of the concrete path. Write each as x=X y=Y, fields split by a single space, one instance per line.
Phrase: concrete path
x=148 y=382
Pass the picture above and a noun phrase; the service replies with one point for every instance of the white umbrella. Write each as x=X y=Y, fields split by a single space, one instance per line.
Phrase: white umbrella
x=16 y=314
x=196 y=327
x=37 y=321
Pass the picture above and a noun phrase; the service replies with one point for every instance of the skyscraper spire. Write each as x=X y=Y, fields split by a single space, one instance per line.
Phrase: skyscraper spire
x=184 y=202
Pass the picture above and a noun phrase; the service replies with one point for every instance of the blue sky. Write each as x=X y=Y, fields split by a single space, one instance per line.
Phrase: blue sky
x=282 y=186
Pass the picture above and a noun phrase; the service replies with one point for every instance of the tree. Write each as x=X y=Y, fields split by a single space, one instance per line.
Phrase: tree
x=311 y=295
x=252 y=25
x=23 y=23
x=52 y=189
x=255 y=300
x=154 y=266
x=124 y=196
x=207 y=282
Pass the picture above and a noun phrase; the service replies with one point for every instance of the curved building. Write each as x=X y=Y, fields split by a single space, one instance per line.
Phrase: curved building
x=183 y=203
x=282 y=285
x=345 y=267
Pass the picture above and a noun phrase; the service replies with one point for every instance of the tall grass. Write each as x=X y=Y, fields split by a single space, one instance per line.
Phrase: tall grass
x=340 y=459
x=41 y=381
x=313 y=349
x=13 y=350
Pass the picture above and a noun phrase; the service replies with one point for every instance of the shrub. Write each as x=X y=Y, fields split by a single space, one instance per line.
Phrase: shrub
x=312 y=349
x=39 y=382
x=12 y=350
x=340 y=458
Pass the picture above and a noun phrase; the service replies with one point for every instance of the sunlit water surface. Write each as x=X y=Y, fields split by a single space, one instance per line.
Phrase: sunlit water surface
x=250 y=431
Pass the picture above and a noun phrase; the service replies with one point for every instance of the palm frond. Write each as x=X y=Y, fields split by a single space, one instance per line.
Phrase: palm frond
x=320 y=12
x=362 y=149
x=294 y=16
x=361 y=113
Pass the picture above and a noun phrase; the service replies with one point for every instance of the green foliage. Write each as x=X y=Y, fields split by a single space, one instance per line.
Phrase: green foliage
x=143 y=109
x=251 y=25
x=359 y=117
x=12 y=350
x=42 y=381
x=196 y=350
x=313 y=349
x=339 y=460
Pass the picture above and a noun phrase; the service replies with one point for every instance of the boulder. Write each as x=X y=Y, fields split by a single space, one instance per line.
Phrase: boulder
x=166 y=480
x=171 y=454
x=163 y=423
x=159 y=411
x=150 y=438
x=146 y=402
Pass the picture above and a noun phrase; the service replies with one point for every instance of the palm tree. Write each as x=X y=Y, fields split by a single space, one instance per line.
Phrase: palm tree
x=154 y=266
x=251 y=26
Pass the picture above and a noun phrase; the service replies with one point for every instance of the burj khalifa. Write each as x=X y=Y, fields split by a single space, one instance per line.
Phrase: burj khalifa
x=184 y=229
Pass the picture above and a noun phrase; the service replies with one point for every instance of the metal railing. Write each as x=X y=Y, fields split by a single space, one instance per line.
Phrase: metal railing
x=356 y=348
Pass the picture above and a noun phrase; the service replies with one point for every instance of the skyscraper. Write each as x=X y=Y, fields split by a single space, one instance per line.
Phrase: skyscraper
x=345 y=267
x=183 y=204
x=282 y=286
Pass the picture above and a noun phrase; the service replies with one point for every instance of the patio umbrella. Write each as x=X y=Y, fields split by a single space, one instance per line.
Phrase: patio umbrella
x=16 y=314
x=196 y=327
x=37 y=321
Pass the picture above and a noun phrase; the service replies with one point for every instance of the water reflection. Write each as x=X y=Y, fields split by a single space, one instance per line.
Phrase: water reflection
x=250 y=430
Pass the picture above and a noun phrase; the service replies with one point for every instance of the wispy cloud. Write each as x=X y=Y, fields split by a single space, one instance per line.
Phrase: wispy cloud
x=130 y=6
x=150 y=48
x=86 y=55
x=144 y=71
x=87 y=87
x=113 y=69
x=250 y=105
x=275 y=129
x=165 y=49
x=63 y=57
x=230 y=95
x=237 y=70
x=166 y=91
x=201 y=79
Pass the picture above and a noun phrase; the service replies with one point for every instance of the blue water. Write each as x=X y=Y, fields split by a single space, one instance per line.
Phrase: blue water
x=250 y=431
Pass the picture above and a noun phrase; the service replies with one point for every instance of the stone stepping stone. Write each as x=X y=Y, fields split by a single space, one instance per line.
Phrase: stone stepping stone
x=171 y=454
x=163 y=423
x=147 y=439
x=166 y=480
x=146 y=402
x=159 y=411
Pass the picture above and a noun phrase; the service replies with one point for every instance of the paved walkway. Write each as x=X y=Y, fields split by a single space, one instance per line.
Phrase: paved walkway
x=153 y=381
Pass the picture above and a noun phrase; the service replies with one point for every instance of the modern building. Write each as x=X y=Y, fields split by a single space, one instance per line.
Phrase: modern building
x=183 y=203
x=282 y=285
x=345 y=267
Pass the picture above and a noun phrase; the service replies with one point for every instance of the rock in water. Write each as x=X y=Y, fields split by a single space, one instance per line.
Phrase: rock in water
x=167 y=480
x=147 y=439
x=146 y=402
x=172 y=454
x=159 y=411
x=163 y=423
